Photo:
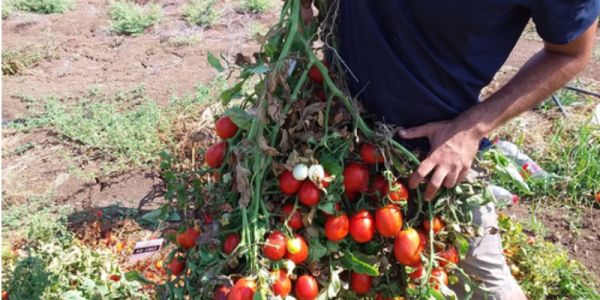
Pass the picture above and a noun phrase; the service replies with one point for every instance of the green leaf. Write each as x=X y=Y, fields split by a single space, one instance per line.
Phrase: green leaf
x=353 y=262
x=214 y=62
x=136 y=276
x=231 y=93
x=462 y=244
x=153 y=216
x=240 y=117
x=317 y=250
x=260 y=69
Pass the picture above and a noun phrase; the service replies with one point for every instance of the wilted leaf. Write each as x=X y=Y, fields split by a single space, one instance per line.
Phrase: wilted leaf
x=242 y=181
x=262 y=144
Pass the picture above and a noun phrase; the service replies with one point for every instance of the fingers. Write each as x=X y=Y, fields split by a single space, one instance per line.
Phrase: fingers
x=452 y=179
x=419 y=175
x=416 y=132
x=435 y=182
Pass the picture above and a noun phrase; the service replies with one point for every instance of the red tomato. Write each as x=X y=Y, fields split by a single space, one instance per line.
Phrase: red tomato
x=242 y=290
x=407 y=247
x=221 y=293
x=362 y=227
x=337 y=227
x=295 y=221
x=288 y=184
x=438 y=276
x=360 y=283
x=282 y=285
x=4 y=295
x=307 y=288
x=274 y=248
x=225 y=127
x=215 y=155
x=388 y=220
x=449 y=255
x=315 y=74
x=302 y=255
x=356 y=178
x=114 y=277
x=417 y=273
x=207 y=218
x=187 y=239
x=177 y=266
x=320 y=94
x=398 y=192
x=309 y=194
x=370 y=154
x=378 y=188
x=438 y=225
x=423 y=238
x=231 y=241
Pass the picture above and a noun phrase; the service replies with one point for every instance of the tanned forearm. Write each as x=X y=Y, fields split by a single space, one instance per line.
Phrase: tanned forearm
x=544 y=73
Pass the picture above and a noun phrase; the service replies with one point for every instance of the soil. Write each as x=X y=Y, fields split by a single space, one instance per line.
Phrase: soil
x=576 y=231
x=82 y=54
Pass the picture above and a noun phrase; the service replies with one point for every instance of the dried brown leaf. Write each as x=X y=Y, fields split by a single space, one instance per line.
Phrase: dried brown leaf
x=262 y=144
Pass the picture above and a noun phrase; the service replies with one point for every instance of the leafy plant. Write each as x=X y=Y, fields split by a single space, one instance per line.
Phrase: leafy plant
x=201 y=12
x=255 y=6
x=44 y=6
x=130 y=18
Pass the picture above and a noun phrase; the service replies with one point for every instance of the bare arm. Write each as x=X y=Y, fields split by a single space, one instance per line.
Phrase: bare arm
x=454 y=143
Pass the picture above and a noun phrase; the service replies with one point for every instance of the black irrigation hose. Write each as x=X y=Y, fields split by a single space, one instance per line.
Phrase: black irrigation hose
x=582 y=91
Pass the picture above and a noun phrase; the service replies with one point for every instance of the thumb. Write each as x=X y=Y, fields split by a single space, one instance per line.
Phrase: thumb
x=416 y=132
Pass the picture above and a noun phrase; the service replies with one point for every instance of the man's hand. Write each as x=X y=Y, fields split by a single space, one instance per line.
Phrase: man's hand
x=453 y=148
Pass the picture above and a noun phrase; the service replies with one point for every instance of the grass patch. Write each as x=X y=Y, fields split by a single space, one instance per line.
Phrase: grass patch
x=183 y=41
x=132 y=19
x=53 y=264
x=255 y=6
x=44 y=6
x=567 y=147
x=7 y=9
x=201 y=12
x=544 y=270
x=15 y=61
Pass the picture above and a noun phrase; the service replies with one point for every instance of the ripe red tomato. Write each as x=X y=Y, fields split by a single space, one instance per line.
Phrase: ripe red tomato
x=337 y=227
x=356 y=178
x=114 y=277
x=388 y=220
x=370 y=154
x=423 y=238
x=407 y=247
x=221 y=293
x=231 y=241
x=301 y=255
x=242 y=290
x=398 y=192
x=378 y=188
x=215 y=155
x=309 y=194
x=282 y=285
x=225 y=127
x=449 y=255
x=438 y=276
x=177 y=266
x=4 y=295
x=274 y=248
x=417 y=273
x=362 y=227
x=288 y=184
x=315 y=74
x=438 y=225
x=320 y=94
x=360 y=283
x=187 y=239
x=295 y=221
x=307 y=288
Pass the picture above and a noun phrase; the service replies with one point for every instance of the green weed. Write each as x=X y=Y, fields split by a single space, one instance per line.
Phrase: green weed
x=201 y=12
x=132 y=19
x=544 y=270
x=255 y=6
x=183 y=41
x=7 y=9
x=14 y=61
x=44 y=6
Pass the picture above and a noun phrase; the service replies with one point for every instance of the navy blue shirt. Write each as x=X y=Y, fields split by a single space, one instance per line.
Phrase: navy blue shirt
x=418 y=61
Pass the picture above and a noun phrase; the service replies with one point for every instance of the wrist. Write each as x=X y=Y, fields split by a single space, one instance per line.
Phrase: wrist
x=474 y=125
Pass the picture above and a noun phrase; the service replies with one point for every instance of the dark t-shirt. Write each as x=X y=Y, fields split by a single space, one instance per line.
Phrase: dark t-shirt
x=419 y=61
